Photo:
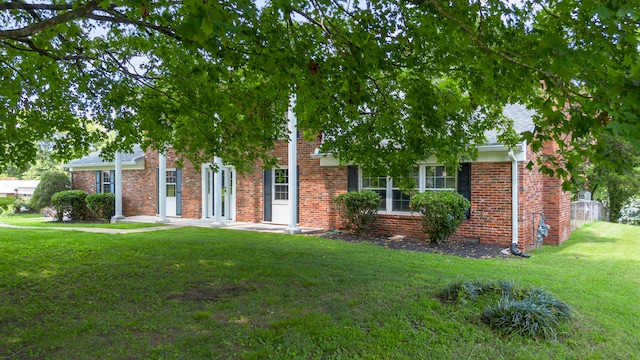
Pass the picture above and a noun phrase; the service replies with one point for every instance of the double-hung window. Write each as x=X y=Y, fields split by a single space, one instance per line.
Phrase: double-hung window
x=106 y=182
x=425 y=177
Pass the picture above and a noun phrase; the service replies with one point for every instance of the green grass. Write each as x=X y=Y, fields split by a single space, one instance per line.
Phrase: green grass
x=199 y=293
x=38 y=221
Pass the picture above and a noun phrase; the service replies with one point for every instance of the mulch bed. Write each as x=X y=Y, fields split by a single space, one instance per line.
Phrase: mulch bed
x=458 y=248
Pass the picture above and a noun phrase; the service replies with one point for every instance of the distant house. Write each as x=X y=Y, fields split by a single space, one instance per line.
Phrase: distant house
x=18 y=187
x=507 y=200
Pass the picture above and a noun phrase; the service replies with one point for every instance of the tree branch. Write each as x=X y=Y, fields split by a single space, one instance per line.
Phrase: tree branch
x=32 y=29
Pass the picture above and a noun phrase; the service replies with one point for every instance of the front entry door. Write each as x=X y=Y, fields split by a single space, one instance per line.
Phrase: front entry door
x=280 y=203
x=172 y=192
x=228 y=208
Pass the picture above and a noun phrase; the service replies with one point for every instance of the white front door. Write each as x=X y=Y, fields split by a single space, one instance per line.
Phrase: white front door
x=280 y=203
x=171 y=192
x=228 y=195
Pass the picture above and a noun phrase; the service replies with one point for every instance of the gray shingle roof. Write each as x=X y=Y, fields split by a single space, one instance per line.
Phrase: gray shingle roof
x=94 y=159
x=522 y=121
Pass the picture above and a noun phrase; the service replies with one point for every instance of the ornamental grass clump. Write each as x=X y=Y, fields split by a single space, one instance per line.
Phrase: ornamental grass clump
x=441 y=213
x=358 y=210
x=531 y=312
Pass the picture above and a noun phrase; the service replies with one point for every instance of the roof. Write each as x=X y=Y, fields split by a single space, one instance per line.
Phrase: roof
x=24 y=187
x=522 y=121
x=95 y=159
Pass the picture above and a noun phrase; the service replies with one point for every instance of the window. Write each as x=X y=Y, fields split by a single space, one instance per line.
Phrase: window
x=106 y=182
x=171 y=183
x=281 y=184
x=377 y=184
x=426 y=177
x=400 y=200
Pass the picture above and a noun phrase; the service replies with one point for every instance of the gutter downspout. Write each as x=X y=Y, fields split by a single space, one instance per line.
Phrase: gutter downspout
x=514 y=207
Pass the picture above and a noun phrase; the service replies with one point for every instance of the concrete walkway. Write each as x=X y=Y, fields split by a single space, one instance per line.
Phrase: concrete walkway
x=172 y=224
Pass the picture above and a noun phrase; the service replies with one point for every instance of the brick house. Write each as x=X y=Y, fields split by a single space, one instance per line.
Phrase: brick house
x=496 y=183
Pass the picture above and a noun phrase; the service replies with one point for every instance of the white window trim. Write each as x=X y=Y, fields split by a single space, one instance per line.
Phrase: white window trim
x=422 y=170
x=273 y=185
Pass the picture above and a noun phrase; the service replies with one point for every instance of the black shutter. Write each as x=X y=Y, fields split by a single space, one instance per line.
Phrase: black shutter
x=112 y=178
x=98 y=181
x=267 y=185
x=464 y=183
x=352 y=178
x=178 y=192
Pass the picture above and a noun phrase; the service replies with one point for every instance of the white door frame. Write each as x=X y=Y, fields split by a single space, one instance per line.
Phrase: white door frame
x=280 y=208
x=228 y=192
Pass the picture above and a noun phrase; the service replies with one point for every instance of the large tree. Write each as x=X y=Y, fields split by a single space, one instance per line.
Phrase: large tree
x=386 y=83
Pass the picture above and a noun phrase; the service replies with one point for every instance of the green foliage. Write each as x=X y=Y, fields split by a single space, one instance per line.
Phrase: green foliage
x=70 y=205
x=538 y=315
x=358 y=210
x=21 y=204
x=377 y=78
x=441 y=212
x=509 y=309
x=102 y=205
x=630 y=212
x=6 y=201
x=50 y=183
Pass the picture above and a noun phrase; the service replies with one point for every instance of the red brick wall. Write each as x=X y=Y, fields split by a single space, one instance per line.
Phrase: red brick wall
x=140 y=187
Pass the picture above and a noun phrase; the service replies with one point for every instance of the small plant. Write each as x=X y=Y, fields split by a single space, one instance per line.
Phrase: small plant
x=441 y=213
x=537 y=315
x=103 y=205
x=630 y=212
x=52 y=182
x=70 y=205
x=358 y=210
x=512 y=310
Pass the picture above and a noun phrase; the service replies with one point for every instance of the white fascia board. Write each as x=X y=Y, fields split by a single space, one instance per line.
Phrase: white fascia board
x=105 y=166
x=487 y=153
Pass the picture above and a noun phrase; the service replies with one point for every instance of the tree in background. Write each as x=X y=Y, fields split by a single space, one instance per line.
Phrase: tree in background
x=385 y=83
x=610 y=184
x=51 y=182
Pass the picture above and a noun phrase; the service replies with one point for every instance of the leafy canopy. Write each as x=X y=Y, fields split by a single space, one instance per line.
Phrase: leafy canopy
x=386 y=83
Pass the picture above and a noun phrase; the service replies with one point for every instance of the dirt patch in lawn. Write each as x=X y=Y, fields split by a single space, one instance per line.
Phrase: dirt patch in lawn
x=457 y=248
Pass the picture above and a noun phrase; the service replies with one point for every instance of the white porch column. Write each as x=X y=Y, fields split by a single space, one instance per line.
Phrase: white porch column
x=293 y=172
x=203 y=179
x=217 y=194
x=162 y=188
x=118 y=188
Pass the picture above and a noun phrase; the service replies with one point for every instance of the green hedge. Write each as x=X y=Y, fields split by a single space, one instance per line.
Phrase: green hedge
x=102 y=205
x=358 y=210
x=70 y=205
x=441 y=213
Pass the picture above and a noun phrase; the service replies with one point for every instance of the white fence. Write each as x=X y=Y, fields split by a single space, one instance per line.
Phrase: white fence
x=586 y=211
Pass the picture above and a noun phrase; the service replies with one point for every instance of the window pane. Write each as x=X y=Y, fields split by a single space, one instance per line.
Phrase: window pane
x=451 y=183
x=281 y=176
x=171 y=190
x=383 y=199
x=281 y=192
x=400 y=201
x=171 y=177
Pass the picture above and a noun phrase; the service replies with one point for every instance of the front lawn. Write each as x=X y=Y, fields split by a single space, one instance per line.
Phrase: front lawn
x=200 y=293
x=38 y=221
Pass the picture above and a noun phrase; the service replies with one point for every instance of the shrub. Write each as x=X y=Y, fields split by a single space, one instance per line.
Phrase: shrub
x=630 y=212
x=358 y=210
x=441 y=213
x=21 y=205
x=50 y=183
x=70 y=205
x=103 y=205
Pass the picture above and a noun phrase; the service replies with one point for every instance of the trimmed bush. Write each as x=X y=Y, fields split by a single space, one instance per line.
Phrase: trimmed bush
x=630 y=212
x=51 y=182
x=441 y=213
x=358 y=210
x=70 y=205
x=103 y=205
